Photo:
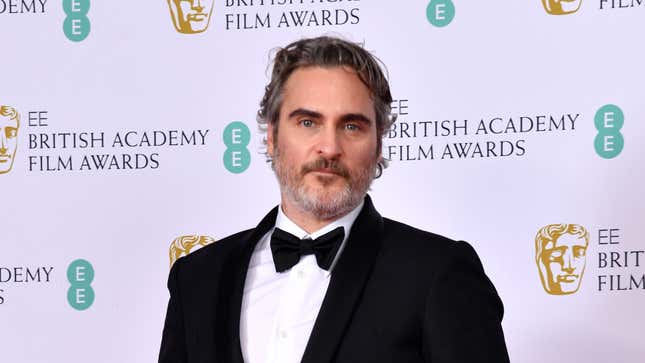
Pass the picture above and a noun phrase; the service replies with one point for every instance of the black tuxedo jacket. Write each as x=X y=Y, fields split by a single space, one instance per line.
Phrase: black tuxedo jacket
x=397 y=294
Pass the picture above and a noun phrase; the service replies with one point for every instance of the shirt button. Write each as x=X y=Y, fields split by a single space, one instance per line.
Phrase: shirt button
x=301 y=274
x=283 y=334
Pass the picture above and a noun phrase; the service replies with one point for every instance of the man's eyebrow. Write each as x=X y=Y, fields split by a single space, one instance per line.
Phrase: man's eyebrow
x=305 y=112
x=356 y=117
x=344 y=118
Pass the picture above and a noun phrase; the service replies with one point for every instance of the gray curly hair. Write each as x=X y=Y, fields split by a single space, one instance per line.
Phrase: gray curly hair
x=327 y=52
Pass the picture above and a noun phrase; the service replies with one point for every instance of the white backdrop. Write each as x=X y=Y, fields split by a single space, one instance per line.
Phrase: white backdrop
x=134 y=72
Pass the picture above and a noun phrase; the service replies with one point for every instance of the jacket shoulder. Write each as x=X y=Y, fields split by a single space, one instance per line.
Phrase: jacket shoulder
x=403 y=233
x=216 y=250
x=426 y=245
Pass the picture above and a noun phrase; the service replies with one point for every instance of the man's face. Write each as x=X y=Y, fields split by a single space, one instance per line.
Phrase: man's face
x=325 y=150
x=191 y=16
x=560 y=7
x=565 y=263
x=8 y=142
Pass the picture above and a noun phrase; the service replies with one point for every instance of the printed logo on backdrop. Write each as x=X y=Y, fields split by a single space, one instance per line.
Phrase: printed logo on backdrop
x=562 y=257
x=499 y=136
x=9 y=126
x=194 y=16
x=80 y=275
x=183 y=245
x=609 y=141
x=76 y=25
x=440 y=12
x=191 y=16
x=57 y=149
x=237 y=157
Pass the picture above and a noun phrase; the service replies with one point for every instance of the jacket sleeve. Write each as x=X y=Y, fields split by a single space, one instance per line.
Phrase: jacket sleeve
x=463 y=313
x=173 y=343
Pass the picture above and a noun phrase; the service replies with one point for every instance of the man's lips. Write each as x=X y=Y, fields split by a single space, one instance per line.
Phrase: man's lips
x=325 y=167
x=326 y=171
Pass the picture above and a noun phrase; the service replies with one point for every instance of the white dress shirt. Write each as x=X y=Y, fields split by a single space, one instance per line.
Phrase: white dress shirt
x=279 y=308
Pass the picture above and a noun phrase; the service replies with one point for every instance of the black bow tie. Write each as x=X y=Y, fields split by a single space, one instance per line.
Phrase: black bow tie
x=287 y=248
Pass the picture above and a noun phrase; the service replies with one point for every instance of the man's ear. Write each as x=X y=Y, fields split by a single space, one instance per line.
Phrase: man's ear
x=270 y=141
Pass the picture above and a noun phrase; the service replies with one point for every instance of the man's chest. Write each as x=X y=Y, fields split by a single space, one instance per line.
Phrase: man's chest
x=279 y=309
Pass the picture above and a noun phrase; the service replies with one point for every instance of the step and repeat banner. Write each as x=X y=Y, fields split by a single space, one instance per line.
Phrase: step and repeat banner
x=128 y=139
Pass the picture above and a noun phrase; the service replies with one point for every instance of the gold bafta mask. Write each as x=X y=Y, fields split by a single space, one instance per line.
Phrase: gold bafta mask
x=560 y=254
x=181 y=246
x=190 y=16
x=561 y=7
x=9 y=125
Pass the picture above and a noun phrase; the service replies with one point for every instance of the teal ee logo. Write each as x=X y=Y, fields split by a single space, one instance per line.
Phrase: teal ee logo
x=237 y=157
x=609 y=141
x=76 y=25
x=80 y=275
x=440 y=12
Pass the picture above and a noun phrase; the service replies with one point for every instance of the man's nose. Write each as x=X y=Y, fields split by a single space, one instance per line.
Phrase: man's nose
x=329 y=144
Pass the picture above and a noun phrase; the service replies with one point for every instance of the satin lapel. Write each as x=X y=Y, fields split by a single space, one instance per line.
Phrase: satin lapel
x=346 y=286
x=229 y=301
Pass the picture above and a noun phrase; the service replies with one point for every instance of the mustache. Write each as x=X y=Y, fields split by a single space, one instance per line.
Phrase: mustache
x=333 y=166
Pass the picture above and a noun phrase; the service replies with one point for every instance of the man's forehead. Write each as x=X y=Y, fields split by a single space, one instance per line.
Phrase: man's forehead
x=301 y=71
x=310 y=86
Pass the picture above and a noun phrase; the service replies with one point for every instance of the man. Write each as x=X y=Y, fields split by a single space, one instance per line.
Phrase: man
x=323 y=277
x=560 y=254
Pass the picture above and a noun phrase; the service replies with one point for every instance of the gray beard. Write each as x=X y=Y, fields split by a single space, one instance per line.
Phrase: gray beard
x=326 y=207
x=322 y=203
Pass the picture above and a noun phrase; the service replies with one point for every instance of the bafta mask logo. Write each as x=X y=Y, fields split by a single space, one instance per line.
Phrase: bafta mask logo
x=561 y=7
x=9 y=124
x=183 y=245
x=560 y=254
x=190 y=16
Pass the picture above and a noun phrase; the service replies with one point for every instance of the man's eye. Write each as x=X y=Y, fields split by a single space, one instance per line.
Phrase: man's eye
x=307 y=123
x=352 y=127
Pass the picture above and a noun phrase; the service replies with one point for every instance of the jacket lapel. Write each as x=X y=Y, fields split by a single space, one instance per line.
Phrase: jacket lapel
x=345 y=288
x=231 y=290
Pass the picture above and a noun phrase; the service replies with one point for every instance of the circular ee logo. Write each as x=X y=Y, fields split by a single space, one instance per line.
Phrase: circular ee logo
x=440 y=12
x=237 y=157
x=609 y=142
x=80 y=275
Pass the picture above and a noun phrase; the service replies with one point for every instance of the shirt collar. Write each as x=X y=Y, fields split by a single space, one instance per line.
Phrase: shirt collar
x=284 y=223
